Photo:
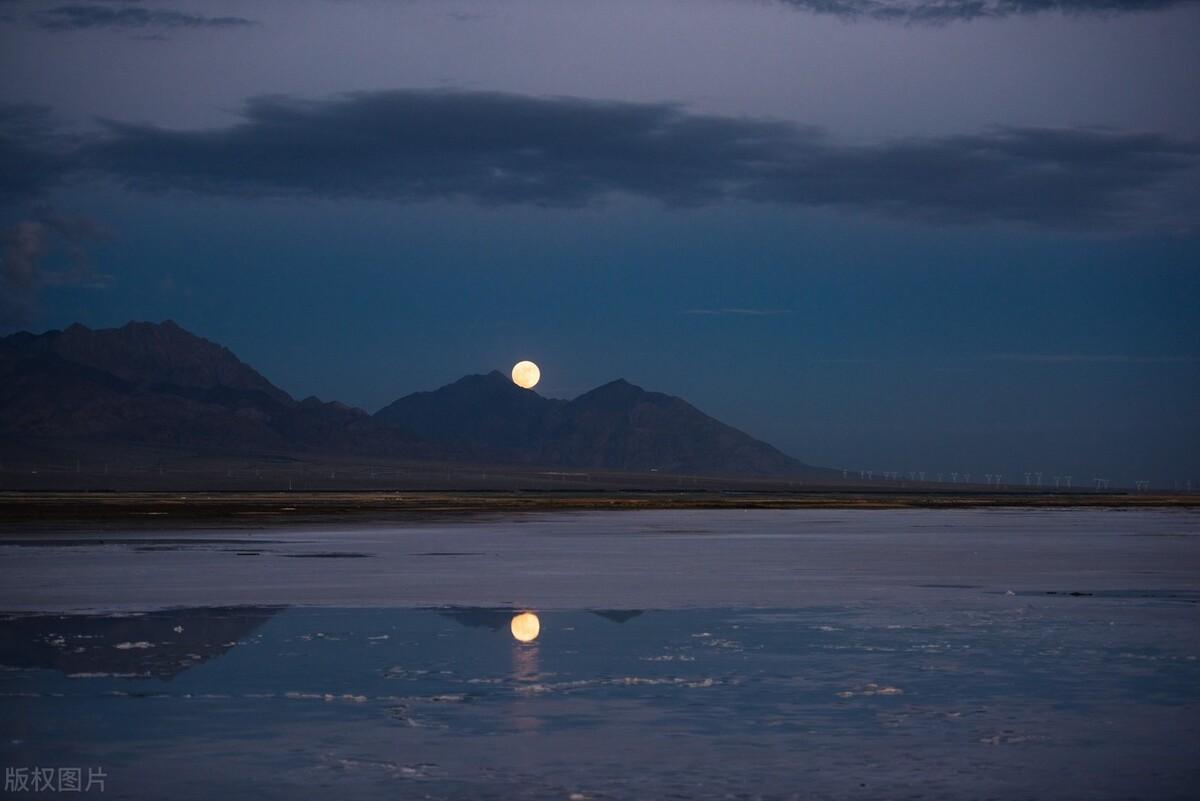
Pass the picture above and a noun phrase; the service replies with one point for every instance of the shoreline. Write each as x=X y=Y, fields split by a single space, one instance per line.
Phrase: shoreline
x=67 y=510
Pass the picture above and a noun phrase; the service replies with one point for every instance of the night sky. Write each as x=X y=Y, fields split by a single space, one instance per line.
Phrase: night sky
x=915 y=235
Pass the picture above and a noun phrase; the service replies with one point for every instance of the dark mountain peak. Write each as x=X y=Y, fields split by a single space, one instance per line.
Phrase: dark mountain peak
x=23 y=342
x=617 y=385
x=615 y=395
x=621 y=426
x=147 y=353
x=616 y=426
x=493 y=381
x=477 y=387
x=487 y=412
x=313 y=402
x=345 y=408
x=157 y=383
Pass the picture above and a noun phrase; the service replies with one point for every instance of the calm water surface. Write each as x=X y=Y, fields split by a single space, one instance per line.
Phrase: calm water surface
x=688 y=655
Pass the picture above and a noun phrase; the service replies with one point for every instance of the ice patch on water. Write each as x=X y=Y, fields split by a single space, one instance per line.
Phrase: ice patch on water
x=542 y=687
x=418 y=770
x=347 y=697
x=729 y=645
x=401 y=715
x=669 y=658
x=618 y=681
x=126 y=646
x=633 y=681
x=868 y=648
x=399 y=672
x=1010 y=738
x=871 y=689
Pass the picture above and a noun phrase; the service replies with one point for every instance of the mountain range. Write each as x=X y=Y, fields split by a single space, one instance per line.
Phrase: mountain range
x=157 y=384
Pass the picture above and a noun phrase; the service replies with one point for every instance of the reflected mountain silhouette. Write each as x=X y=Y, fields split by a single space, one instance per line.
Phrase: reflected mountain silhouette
x=496 y=618
x=618 y=615
x=159 y=644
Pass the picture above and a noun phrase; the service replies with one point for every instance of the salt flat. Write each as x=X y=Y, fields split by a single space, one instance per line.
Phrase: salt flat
x=658 y=559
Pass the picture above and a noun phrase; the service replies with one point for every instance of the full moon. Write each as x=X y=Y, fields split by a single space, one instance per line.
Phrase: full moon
x=526 y=374
x=525 y=626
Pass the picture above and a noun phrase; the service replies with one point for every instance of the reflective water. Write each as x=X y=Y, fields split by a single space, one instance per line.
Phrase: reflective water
x=1087 y=688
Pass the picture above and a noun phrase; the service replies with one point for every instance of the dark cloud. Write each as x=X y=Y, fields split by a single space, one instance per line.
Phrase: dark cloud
x=493 y=149
x=943 y=11
x=26 y=251
x=427 y=145
x=85 y=17
x=1074 y=178
x=32 y=154
x=507 y=149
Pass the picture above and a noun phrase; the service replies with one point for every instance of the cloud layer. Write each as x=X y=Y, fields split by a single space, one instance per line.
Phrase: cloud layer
x=32 y=154
x=488 y=148
x=25 y=251
x=936 y=12
x=86 y=17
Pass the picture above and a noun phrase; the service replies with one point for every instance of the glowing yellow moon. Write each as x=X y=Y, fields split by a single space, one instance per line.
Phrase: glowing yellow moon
x=526 y=374
x=526 y=627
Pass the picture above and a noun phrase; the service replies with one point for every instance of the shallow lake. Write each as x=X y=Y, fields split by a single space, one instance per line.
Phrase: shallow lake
x=816 y=654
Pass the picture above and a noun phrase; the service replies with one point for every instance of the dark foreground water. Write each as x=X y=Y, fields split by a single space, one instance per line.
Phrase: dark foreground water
x=903 y=678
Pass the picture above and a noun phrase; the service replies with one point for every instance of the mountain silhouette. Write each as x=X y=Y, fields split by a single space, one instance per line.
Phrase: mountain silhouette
x=157 y=384
x=487 y=414
x=617 y=426
x=623 y=427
